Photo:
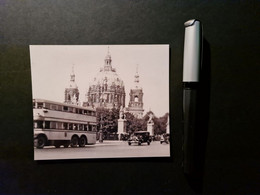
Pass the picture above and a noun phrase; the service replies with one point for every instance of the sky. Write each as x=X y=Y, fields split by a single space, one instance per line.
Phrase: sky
x=51 y=66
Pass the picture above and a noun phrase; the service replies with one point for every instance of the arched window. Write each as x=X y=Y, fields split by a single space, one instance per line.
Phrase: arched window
x=136 y=98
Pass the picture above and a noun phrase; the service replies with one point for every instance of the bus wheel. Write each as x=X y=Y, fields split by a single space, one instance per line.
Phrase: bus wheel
x=82 y=142
x=40 y=142
x=74 y=142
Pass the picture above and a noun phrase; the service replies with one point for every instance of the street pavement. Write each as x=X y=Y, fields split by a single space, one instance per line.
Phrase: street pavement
x=107 y=149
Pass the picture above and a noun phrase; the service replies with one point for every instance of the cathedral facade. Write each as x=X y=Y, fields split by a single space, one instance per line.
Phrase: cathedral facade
x=107 y=90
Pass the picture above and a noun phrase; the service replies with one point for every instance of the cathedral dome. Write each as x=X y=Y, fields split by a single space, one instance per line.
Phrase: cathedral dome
x=109 y=78
x=107 y=88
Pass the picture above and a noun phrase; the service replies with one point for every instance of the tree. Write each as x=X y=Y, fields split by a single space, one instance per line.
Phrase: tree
x=107 y=119
x=160 y=124
x=132 y=123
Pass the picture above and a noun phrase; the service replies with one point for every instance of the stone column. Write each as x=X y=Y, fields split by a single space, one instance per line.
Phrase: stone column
x=121 y=127
x=150 y=125
x=150 y=128
x=121 y=123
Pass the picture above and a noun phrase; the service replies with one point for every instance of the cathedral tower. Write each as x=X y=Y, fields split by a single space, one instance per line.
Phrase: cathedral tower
x=135 y=105
x=72 y=92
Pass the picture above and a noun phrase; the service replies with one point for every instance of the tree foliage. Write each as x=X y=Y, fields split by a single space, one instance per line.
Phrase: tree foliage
x=160 y=124
x=134 y=124
x=107 y=120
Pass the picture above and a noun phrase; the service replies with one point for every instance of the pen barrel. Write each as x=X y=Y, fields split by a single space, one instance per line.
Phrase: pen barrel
x=190 y=97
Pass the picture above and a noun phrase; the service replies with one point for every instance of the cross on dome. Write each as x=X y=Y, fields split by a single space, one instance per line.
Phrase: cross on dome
x=136 y=80
x=72 y=75
x=108 y=60
x=136 y=75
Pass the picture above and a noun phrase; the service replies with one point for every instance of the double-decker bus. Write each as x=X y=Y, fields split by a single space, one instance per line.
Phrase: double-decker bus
x=57 y=124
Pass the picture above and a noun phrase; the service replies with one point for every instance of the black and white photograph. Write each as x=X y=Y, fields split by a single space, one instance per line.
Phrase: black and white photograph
x=100 y=101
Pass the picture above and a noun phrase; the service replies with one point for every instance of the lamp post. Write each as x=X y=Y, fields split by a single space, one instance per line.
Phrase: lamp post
x=101 y=129
x=101 y=119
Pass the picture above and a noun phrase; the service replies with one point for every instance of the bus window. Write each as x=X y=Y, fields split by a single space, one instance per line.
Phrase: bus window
x=59 y=125
x=65 y=108
x=65 y=126
x=53 y=107
x=75 y=126
x=81 y=127
x=70 y=126
x=59 y=108
x=85 y=127
x=47 y=124
x=52 y=125
x=38 y=124
x=47 y=105
x=90 y=128
x=70 y=109
x=33 y=104
x=94 y=128
x=39 y=105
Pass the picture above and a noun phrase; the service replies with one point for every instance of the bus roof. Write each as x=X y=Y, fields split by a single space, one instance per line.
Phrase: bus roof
x=62 y=104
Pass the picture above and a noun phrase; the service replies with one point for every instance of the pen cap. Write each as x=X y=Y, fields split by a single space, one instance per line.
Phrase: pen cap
x=192 y=51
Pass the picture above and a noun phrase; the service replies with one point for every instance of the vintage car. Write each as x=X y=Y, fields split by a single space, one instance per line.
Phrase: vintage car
x=140 y=137
x=165 y=138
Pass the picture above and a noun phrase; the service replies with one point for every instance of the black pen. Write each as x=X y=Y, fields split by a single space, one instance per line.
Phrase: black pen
x=191 y=73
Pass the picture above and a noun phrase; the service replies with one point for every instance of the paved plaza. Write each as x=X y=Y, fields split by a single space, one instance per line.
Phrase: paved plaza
x=107 y=149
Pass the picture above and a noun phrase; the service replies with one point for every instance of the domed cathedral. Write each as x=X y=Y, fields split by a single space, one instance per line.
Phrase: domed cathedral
x=135 y=105
x=107 y=89
x=72 y=92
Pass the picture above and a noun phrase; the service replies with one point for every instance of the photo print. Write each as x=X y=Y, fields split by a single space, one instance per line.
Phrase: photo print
x=100 y=101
